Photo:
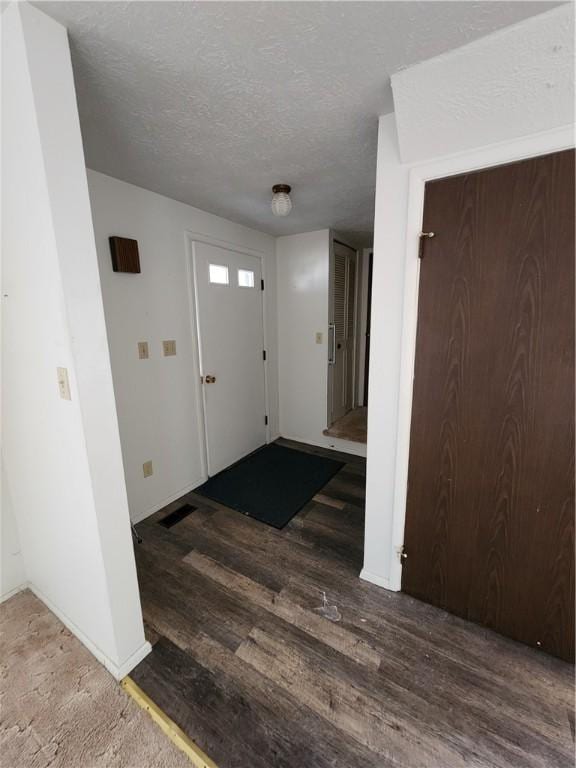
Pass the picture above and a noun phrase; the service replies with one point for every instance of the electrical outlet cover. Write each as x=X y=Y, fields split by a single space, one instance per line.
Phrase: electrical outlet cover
x=63 y=383
x=169 y=347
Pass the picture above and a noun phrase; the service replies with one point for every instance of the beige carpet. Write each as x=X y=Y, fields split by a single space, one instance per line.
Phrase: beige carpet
x=353 y=426
x=60 y=708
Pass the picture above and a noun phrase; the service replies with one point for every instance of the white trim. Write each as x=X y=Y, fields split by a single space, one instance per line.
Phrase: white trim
x=132 y=661
x=118 y=672
x=487 y=157
x=199 y=237
x=173 y=497
x=373 y=578
x=196 y=361
x=12 y=592
x=266 y=347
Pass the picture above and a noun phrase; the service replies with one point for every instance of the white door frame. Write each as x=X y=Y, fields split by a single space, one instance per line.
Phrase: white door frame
x=192 y=288
x=487 y=157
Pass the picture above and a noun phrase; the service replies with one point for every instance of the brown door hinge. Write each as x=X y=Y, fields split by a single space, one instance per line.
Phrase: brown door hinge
x=423 y=237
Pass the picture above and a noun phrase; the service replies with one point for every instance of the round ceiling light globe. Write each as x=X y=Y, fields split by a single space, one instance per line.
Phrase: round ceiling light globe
x=281 y=204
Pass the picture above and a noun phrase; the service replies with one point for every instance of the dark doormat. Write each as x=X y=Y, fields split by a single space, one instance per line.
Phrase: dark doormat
x=271 y=484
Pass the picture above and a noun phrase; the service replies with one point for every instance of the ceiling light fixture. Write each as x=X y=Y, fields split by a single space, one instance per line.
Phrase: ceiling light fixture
x=281 y=203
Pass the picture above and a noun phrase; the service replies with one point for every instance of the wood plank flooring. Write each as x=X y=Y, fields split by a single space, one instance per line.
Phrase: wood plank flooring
x=247 y=664
x=352 y=426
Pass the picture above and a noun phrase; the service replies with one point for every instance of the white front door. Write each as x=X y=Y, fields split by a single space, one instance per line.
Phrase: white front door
x=228 y=298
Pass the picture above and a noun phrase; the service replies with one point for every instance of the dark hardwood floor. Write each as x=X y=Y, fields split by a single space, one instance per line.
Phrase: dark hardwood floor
x=244 y=661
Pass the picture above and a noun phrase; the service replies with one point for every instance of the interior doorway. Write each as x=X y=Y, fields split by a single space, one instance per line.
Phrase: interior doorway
x=347 y=415
x=489 y=519
x=229 y=320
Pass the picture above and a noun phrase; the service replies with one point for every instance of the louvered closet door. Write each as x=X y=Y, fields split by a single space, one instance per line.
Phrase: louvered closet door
x=343 y=289
x=350 y=340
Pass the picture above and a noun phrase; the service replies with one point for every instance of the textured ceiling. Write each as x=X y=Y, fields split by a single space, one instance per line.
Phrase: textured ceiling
x=212 y=103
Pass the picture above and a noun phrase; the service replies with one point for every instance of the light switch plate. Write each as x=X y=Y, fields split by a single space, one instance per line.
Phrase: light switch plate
x=143 y=352
x=147 y=469
x=63 y=383
x=319 y=337
x=169 y=347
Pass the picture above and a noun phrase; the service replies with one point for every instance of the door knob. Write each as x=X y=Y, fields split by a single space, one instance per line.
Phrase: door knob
x=209 y=379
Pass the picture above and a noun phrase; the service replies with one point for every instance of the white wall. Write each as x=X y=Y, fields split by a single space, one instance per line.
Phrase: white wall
x=12 y=574
x=515 y=82
x=385 y=351
x=303 y=271
x=398 y=216
x=61 y=457
x=157 y=398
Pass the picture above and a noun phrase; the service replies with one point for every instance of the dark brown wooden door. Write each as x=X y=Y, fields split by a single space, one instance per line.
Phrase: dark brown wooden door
x=490 y=510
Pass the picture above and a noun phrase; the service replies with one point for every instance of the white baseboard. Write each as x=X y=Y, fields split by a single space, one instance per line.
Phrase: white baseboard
x=380 y=581
x=117 y=671
x=139 y=654
x=12 y=592
x=137 y=518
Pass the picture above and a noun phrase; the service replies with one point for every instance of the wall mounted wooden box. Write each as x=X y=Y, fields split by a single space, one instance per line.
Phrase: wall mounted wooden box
x=125 y=257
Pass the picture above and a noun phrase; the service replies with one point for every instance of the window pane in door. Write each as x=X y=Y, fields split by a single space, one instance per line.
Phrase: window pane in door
x=245 y=278
x=218 y=274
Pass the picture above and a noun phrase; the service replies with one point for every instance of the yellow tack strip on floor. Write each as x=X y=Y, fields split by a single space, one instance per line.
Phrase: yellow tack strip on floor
x=174 y=733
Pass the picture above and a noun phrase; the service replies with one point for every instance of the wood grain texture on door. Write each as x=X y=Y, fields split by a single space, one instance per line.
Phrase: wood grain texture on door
x=490 y=508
